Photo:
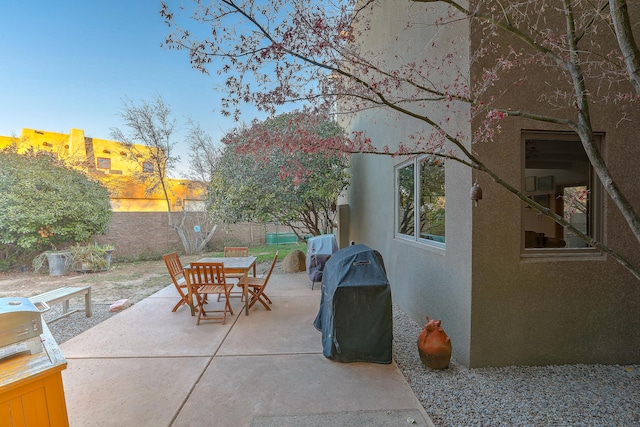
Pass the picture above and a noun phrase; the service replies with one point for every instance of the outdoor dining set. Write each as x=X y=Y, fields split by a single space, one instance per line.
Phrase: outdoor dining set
x=210 y=277
x=355 y=312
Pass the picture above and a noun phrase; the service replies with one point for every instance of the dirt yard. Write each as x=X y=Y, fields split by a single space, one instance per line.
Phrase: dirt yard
x=133 y=281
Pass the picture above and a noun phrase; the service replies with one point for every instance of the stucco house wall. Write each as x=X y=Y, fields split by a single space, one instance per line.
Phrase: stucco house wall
x=499 y=306
x=555 y=309
x=424 y=280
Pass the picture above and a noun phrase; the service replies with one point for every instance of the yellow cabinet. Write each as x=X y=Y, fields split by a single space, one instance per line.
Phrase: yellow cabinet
x=31 y=391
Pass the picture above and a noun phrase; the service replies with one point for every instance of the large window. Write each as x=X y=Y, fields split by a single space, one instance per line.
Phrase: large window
x=558 y=175
x=420 y=183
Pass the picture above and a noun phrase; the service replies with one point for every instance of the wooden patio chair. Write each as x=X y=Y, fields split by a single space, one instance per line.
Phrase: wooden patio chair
x=206 y=278
x=235 y=251
x=176 y=271
x=256 y=286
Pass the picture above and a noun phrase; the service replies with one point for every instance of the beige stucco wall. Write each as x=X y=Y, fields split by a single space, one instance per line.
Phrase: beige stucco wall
x=499 y=307
x=555 y=309
x=425 y=281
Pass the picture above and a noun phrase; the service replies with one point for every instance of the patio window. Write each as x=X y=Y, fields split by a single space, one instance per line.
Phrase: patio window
x=420 y=182
x=558 y=175
x=147 y=167
x=104 y=163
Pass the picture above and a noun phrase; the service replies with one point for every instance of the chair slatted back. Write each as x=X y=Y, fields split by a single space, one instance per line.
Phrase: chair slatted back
x=273 y=264
x=174 y=266
x=236 y=251
x=206 y=273
x=205 y=278
x=176 y=271
x=256 y=286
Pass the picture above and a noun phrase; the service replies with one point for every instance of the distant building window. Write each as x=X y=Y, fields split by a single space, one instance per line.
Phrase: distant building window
x=424 y=177
x=104 y=163
x=147 y=167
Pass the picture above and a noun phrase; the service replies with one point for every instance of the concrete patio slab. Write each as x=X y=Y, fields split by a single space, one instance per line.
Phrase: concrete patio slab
x=130 y=391
x=167 y=292
x=394 y=418
x=284 y=385
x=287 y=328
x=291 y=284
x=149 y=328
x=147 y=366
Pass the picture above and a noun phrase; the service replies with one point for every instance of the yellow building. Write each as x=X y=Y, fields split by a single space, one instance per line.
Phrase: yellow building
x=126 y=171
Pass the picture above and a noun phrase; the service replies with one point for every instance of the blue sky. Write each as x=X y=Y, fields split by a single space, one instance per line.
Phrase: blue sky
x=68 y=64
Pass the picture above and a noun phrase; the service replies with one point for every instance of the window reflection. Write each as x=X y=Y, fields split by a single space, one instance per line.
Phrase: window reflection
x=557 y=176
x=406 y=200
x=423 y=176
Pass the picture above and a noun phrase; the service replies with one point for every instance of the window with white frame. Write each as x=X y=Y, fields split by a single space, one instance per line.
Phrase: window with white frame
x=559 y=176
x=420 y=200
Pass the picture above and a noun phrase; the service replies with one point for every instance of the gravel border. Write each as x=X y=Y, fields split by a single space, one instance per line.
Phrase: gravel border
x=566 y=395
x=68 y=327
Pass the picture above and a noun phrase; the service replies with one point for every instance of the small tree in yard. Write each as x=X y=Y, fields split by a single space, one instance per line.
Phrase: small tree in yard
x=204 y=154
x=291 y=187
x=287 y=51
x=152 y=126
x=44 y=203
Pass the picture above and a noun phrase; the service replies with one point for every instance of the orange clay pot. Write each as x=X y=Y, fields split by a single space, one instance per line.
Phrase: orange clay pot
x=434 y=345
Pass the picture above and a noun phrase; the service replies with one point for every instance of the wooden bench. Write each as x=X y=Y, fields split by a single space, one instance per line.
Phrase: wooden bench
x=64 y=295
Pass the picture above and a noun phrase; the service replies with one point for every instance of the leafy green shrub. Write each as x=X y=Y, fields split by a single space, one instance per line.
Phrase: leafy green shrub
x=43 y=203
x=89 y=257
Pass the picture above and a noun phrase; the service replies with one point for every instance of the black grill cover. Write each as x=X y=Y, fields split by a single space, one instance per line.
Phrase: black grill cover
x=355 y=315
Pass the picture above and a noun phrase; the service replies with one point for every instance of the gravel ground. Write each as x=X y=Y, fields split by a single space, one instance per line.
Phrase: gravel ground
x=568 y=395
x=76 y=323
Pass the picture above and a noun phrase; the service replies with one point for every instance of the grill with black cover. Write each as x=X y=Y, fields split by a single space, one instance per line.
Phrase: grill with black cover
x=355 y=315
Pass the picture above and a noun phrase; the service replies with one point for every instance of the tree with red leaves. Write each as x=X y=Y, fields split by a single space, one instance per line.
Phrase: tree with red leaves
x=275 y=184
x=278 y=52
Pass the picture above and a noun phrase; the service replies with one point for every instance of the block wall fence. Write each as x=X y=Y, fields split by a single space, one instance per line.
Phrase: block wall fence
x=147 y=234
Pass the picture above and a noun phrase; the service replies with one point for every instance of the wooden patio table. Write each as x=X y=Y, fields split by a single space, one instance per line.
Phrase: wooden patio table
x=231 y=265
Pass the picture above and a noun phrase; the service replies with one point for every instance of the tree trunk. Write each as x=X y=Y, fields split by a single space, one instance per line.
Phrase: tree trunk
x=628 y=46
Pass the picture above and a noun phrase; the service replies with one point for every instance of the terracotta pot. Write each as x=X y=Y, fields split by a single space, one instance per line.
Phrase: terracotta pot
x=434 y=345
